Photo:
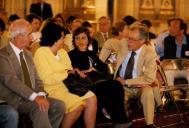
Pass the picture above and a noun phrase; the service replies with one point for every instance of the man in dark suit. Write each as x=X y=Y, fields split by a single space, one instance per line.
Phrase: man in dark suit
x=41 y=9
x=21 y=86
x=176 y=45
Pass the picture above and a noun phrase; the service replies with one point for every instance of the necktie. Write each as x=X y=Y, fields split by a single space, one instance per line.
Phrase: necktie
x=130 y=66
x=27 y=80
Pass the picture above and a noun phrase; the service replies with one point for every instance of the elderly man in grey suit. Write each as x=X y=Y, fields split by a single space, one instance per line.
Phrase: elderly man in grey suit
x=136 y=70
x=21 y=87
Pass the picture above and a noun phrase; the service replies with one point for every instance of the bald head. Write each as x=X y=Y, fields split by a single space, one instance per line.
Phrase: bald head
x=20 y=33
x=19 y=27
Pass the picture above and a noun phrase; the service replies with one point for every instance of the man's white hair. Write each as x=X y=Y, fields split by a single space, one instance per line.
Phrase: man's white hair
x=18 y=27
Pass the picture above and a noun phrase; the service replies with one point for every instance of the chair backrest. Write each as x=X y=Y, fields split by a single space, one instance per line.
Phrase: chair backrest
x=111 y=62
x=171 y=70
x=161 y=77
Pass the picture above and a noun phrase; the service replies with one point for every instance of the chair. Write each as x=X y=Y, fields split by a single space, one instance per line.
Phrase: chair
x=111 y=62
x=170 y=69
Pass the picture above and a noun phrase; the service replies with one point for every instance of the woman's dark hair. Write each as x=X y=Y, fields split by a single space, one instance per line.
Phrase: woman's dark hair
x=129 y=19
x=32 y=16
x=2 y=25
x=50 y=34
x=79 y=31
x=86 y=24
x=59 y=15
x=13 y=17
x=70 y=19
x=147 y=23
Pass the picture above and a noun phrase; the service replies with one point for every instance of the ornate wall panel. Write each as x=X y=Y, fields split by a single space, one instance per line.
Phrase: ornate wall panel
x=158 y=10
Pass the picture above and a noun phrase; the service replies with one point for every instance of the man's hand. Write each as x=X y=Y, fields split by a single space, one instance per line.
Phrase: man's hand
x=121 y=80
x=42 y=103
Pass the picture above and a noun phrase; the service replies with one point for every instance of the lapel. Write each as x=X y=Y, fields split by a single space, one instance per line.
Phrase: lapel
x=141 y=59
x=14 y=62
x=30 y=66
x=101 y=37
x=120 y=61
x=140 y=63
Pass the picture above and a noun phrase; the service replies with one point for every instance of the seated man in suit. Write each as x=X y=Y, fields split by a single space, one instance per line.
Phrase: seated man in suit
x=21 y=87
x=176 y=45
x=8 y=116
x=136 y=70
x=104 y=31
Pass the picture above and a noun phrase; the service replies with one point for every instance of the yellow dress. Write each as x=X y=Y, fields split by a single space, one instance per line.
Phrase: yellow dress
x=53 y=71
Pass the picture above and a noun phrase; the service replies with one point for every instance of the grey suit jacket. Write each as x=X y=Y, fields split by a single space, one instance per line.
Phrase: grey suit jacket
x=146 y=67
x=12 y=87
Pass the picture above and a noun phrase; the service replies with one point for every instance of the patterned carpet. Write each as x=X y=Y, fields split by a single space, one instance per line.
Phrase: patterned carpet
x=167 y=119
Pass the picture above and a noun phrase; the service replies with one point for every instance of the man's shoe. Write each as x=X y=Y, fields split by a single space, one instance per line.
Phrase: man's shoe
x=124 y=125
x=151 y=126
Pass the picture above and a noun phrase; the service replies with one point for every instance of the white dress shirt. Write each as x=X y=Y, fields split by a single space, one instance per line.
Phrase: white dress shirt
x=124 y=64
x=17 y=52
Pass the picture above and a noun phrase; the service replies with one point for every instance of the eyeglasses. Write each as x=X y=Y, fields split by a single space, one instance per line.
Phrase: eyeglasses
x=28 y=34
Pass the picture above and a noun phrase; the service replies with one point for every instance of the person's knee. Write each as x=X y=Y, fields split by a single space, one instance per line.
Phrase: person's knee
x=59 y=106
x=148 y=91
x=12 y=114
x=92 y=101
x=147 y=94
x=79 y=109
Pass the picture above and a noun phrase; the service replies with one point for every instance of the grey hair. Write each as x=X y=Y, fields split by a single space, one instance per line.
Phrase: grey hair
x=143 y=30
x=18 y=27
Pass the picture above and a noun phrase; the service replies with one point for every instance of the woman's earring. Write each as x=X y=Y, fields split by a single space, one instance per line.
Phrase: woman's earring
x=55 y=44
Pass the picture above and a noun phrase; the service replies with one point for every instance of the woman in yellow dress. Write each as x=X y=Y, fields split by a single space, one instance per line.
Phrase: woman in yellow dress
x=53 y=65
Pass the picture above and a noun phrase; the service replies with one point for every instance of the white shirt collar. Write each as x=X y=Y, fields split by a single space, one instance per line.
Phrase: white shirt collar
x=137 y=51
x=16 y=50
x=106 y=33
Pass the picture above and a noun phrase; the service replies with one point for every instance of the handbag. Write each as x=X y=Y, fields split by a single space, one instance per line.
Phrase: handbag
x=77 y=85
x=96 y=76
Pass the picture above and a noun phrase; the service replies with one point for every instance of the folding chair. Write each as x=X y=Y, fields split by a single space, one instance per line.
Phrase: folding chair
x=168 y=69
